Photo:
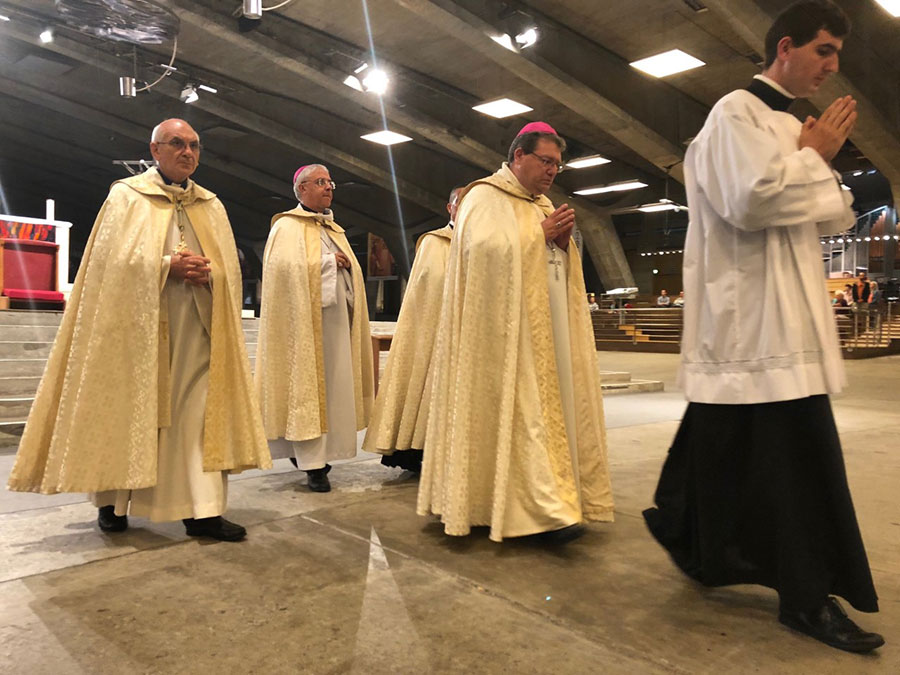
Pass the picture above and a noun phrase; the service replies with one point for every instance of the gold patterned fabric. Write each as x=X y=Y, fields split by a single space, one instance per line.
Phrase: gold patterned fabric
x=106 y=389
x=290 y=375
x=400 y=416
x=496 y=448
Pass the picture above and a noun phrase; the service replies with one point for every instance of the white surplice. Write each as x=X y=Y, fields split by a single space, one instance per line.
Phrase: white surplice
x=183 y=489
x=759 y=326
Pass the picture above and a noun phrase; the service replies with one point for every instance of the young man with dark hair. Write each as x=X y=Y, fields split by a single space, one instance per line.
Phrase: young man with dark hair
x=754 y=489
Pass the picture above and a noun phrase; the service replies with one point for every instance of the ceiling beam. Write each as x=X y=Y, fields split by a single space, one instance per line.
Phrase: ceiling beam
x=255 y=122
x=297 y=62
x=552 y=81
x=873 y=135
x=41 y=96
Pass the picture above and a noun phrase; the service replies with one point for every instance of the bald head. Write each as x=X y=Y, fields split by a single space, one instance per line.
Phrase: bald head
x=176 y=148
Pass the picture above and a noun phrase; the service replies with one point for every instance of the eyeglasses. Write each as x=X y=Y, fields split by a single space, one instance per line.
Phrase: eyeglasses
x=179 y=144
x=321 y=182
x=548 y=162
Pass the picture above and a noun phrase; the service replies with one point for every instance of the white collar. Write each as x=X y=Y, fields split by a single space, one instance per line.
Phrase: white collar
x=777 y=87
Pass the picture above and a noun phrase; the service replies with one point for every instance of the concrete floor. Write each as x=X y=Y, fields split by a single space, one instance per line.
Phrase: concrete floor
x=354 y=582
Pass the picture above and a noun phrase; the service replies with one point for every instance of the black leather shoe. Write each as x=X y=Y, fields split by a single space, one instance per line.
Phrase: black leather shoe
x=214 y=528
x=831 y=625
x=564 y=535
x=109 y=521
x=317 y=479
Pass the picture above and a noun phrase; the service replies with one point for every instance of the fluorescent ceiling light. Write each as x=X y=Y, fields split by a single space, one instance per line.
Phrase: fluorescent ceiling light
x=502 y=107
x=46 y=36
x=376 y=81
x=585 y=162
x=361 y=68
x=662 y=205
x=386 y=137
x=614 y=187
x=892 y=7
x=353 y=81
x=4 y=18
x=167 y=66
x=527 y=38
x=667 y=63
x=211 y=90
x=504 y=41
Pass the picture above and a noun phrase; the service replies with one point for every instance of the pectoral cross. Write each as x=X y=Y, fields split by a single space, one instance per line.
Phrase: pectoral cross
x=554 y=261
x=182 y=245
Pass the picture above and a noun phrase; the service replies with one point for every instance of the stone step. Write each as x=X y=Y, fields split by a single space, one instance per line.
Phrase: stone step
x=632 y=387
x=29 y=367
x=19 y=386
x=19 y=317
x=25 y=350
x=27 y=333
x=614 y=377
x=15 y=409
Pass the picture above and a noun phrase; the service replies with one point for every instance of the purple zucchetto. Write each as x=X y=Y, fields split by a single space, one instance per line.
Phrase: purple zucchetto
x=537 y=127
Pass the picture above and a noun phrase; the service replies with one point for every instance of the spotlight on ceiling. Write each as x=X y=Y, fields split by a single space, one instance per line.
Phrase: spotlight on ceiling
x=504 y=41
x=189 y=94
x=526 y=38
x=353 y=82
x=206 y=87
x=46 y=36
x=376 y=82
x=126 y=87
x=252 y=9
x=3 y=17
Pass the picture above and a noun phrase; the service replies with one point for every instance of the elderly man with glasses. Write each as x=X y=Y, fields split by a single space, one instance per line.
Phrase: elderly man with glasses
x=314 y=363
x=147 y=400
x=516 y=437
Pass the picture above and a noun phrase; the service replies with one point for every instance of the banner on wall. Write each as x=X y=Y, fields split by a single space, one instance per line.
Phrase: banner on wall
x=16 y=229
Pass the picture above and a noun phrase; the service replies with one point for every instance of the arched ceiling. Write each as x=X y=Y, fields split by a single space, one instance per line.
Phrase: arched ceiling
x=281 y=102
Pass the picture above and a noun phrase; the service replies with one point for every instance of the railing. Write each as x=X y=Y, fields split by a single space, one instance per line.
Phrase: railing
x=868 y=326
x=653 y=325
x=859 y=327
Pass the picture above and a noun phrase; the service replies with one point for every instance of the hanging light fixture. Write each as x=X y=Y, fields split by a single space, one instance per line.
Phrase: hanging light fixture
x=252 y=9
x=127 y=87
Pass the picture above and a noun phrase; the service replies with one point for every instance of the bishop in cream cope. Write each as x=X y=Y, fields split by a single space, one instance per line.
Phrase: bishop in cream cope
x=400 y=415
x=516 y=438
x=146 y=400
x=314 y=361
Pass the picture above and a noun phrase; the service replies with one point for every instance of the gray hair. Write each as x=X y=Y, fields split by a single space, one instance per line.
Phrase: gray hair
x=155 y=134
x=303 y=175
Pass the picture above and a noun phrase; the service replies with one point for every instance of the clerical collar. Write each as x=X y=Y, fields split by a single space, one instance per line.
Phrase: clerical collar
x=183 y=185
x=771 y=93
x=309 y=210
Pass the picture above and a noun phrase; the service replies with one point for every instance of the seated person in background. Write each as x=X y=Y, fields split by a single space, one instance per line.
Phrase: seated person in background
x=839 y=300
x=592 y=303
x=679 y=301
x=663 y=300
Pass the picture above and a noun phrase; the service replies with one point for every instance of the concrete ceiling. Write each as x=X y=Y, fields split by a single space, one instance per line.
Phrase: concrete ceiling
x=281 y=103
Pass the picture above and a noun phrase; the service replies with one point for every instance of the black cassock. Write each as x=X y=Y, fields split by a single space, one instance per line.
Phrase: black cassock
x=758 y=494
